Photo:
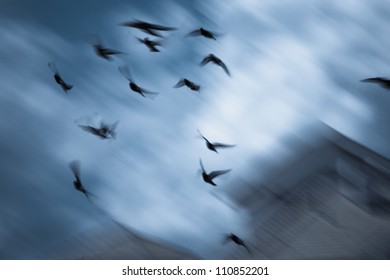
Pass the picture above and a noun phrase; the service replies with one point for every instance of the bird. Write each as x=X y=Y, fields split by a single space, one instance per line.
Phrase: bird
x=57 y=77
x=237 y=240
x=203 y=32
x=150 y=44
x=208 y=178
x=75 y=167
x=147 y=27
x=188 y=83
x=105 y=52
x=133 y=86
x=105 y=131
x=102 y=51
x=212 y=58
x=214 y=146
x=383 y=82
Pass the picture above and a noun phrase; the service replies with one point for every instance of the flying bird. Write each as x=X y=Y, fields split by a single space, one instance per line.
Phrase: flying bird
x=133 y=86
x=147 y=27
x=102 y=51
x=208 y=178
x=203 y=32
x=150 y=44
x=57 y=77
x=214 y=146
x=75 y=167
x=237 y=240
x=105 y=131
x=383 y=82
x=212 y=58
x=188 y=83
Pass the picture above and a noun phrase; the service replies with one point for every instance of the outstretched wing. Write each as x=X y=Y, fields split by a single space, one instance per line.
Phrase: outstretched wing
x=201 y=165
x=158 y=27
x=148 y=93
x=217 y=173
x=179 y=84
x=75 y=167
x=221 y=145
x=202 y=136
x=206 y=60
x=52 y=67
x=378 y=80
x=107 y=51
x=89 y=129
x=194 y=33
x=126 y=73
x=223 y=65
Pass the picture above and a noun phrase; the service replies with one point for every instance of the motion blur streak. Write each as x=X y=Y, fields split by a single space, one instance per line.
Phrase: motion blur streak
x=310 y=161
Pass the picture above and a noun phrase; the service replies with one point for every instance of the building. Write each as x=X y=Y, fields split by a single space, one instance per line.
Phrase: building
x=330 y=200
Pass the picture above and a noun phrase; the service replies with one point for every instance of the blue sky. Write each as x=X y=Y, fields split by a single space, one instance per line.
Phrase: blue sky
x=291 y=63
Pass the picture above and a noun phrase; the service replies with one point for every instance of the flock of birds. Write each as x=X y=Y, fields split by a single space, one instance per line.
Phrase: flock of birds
x=107 y=131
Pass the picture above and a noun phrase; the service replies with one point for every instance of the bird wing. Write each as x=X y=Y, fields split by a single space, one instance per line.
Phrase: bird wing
x=227 y=239
x=150 y=94
x=89 y=129
x=126 y=73
x=202 y=136
x=140 y=40
x=194 y=33
x=205 y=60
x=373 y=80
x=179 y=84
x=75 y=167
x=223 y=65
x=378 y=80
x=221 y=145
x=217 y=173
x=110 y=51
x=201 y=165
x=159 y=27
x=52 y=67
x=66 y=86
x=246 y=247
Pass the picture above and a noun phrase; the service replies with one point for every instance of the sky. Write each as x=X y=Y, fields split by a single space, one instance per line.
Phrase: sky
x=291 y=63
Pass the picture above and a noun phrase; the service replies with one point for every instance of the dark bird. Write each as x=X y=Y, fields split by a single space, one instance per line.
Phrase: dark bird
x=65 y=87
x=188 y=83
x=203 y=32
x=237 y=240
x=147 y=27
x=133 y=86
x=383 y=82
x=75 y=167
x=208 y=178
x=102 y=51
x=214 y=146
x=150 y=44
x=212 y=58
x=105 y=131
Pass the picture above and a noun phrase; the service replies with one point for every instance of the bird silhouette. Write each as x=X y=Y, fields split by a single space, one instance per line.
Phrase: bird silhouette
x=105 y=131
x=150 y=44
x=214 y=146
x=203 y=32
x=133 y=86
x=237 y=240
x=75 y=167
x=208 y=177
x=212 y=58
x=57 y=77
x=383 y=82
x=102 y=51
x=188 y=83
x=149 y=28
